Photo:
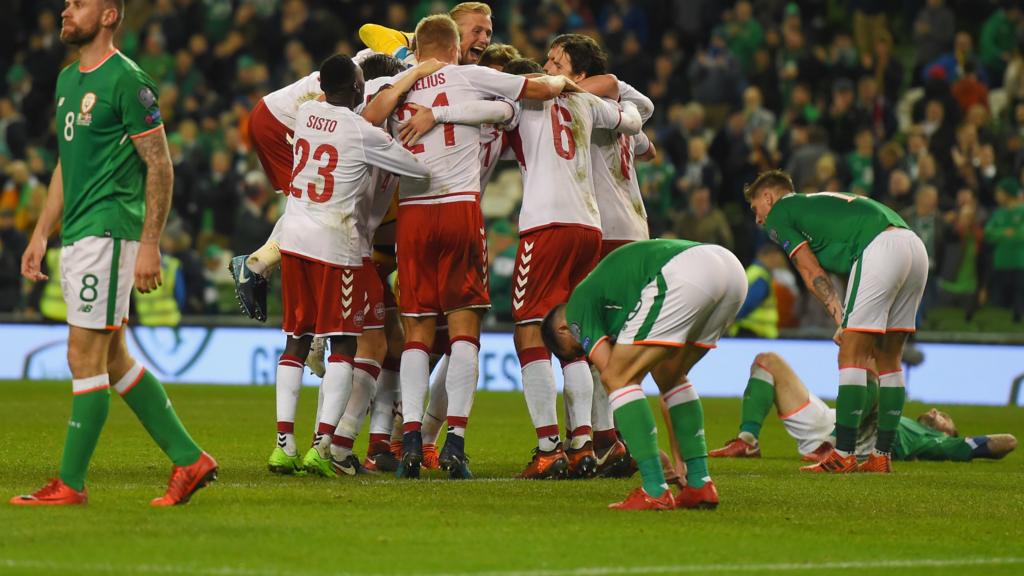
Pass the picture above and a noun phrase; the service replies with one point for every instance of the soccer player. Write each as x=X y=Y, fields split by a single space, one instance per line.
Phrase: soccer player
x=322 y=243
x=623 y=216
x=111 y=199
x=653 y=307
x=441 y=244
x=560 y=243
x=475 y=31
x=888 y=268
x=932 y=436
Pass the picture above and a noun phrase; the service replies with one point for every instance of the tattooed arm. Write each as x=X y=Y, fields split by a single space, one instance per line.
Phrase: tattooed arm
x=152 y=148
x=818 y=282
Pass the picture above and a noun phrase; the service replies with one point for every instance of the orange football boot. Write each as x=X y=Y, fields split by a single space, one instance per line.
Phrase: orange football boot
x=819 y=453
x=56 y=493
x=703 y=498
x=639 y=499
x=737 y=448
x=582 y=461
x=833 y=464
x=430 y=461
x=186 y=480
x=877 y=464
x=544 y=465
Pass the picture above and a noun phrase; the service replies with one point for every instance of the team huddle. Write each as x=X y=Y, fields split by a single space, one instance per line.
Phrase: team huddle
x=383 y=158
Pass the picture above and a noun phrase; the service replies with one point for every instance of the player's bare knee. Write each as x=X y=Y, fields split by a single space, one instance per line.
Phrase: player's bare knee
x=769 y=361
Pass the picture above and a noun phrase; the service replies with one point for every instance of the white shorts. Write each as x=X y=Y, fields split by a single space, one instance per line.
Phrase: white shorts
x=814 y=423
x=886 y=284
x=96 y=276
x=693 y=300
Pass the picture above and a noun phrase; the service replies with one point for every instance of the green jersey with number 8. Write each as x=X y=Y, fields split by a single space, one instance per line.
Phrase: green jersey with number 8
x=99 y=111
x=836 y=226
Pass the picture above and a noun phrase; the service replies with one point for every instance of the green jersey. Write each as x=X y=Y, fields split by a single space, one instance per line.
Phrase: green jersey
x=916 y=441
x=99 y=111
x=836 y=226
x=603 y=302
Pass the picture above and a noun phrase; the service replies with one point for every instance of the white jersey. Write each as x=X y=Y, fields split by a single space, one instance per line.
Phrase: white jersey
x=623 y=216
x=452 y=151
x=494 y=146
x=335 y=153
x=552 y=145
x=370 y=90
x=284 y=103
x=375 y=206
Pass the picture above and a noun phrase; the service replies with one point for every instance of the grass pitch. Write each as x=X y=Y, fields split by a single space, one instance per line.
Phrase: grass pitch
x=927 y=518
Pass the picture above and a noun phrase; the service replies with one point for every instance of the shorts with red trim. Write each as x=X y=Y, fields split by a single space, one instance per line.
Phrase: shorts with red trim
x=320 y=299
x=270 y=138
x=609 y=246
x=442 y=258
x=692 y=300
x=814 y=423
x=550 y=262
x=373 y=311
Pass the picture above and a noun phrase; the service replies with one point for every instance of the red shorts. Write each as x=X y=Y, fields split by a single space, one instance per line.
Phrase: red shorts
x=373 y=311
x=270 y=139
x=320 y=299
x=607 y=246
x=550 y=263
x=442 y=258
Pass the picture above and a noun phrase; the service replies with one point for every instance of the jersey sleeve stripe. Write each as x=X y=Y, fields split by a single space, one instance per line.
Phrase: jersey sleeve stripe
x=147 y=132
x=522 y=91
x=798 y=247
x=596 y=344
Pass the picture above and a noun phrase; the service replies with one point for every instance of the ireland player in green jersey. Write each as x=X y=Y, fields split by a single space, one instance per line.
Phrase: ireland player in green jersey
x=653 y=307
x=932 y=436
x=888 y=267
x=110 y=193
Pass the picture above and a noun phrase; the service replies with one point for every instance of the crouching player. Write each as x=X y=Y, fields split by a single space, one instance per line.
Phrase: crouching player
x=932 y=436
x=321 y=248
x=653 y=307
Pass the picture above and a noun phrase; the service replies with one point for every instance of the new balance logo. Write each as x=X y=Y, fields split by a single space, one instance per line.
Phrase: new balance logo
x=86 y=308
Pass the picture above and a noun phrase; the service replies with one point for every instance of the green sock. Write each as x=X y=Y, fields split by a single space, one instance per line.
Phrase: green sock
x=687 y=416
x=89 y=408
x=891 y=396
x=850 y=407
x=152 y=407
x=758 y=398
x=634 y=419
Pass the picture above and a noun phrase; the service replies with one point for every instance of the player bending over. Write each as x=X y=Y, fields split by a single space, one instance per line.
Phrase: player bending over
x=888 y=267
x=111 y=200
x=653 y=307
x=932 y=436
x=336 y=151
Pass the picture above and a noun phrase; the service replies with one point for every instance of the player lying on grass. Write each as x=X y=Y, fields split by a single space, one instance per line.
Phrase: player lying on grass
x=933 y=436
x=888 y=267
x=653 y=307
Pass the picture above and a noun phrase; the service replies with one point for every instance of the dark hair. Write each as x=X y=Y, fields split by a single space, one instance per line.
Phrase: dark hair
x=548 y=331
x=523 y=66
x=584 y=53
x=768 y=179
x=337 y=74
x=499 y=55
x=378 y=65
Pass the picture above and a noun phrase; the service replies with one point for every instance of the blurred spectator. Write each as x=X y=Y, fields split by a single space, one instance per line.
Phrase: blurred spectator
x=966 y=235
x=702 y=222
x=759 y=315
x=700 y=171
x=886 y=71
x=874 y=110
x=12 y=244
x=657 y=185
x=716 y=78
x=933 y=34
x=1005 y=231
x=869 y=22
x=998 y=40
x=860 y=164
x=765 y=77
x=502 y=242
x=889 y=159
x=756 y=116
x=744 y=35
x=926 y=221
x=1013 y=81
x=952 y=63
x=254 y=220
x=807 y=145
x=13 y=130
x=899 y=196
x=842 y=119
x=221 y=197
x=686 y=122
x=968 y=90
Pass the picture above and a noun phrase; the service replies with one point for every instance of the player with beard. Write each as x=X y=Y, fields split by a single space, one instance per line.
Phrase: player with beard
x=111 y=201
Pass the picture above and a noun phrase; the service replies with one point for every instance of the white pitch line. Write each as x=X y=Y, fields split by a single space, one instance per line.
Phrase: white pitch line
x=40 y=565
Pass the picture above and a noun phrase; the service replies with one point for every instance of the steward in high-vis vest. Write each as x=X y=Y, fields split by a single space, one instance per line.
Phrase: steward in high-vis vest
x=759 y=315
x=160 y=307
x=52 y=305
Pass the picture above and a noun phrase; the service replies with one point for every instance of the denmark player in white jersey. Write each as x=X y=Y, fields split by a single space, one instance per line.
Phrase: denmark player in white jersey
x=560 y=242
x=441 y=243
x=335 y=151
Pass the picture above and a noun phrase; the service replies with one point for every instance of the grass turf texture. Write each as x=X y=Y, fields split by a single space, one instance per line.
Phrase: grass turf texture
x=927 y=518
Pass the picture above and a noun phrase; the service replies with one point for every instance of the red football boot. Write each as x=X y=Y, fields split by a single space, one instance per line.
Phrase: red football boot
x=186 y=480
x=819 y=453
x=547 y=465
x=430 y=461
x=877 y=464
x=833 y=464
x=56 y=493
x=639 y=499
x=737 y=448
x=703 y=498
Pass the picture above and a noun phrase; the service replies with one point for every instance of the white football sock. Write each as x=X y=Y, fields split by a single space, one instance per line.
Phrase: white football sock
x=463 y=372
x=437 y=406
x=337 y=387
x=288 y=384
x=364 y=385
x=385 y=403
x=579 y=399
x=601 y=413
x=414 y=377
x=541 y=395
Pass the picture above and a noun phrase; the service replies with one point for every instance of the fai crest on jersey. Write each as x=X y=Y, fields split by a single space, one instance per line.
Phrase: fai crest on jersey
x=146 y=97
x=86 y=106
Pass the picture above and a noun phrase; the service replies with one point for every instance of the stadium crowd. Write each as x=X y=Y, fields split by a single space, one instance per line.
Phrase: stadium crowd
x=919 y=104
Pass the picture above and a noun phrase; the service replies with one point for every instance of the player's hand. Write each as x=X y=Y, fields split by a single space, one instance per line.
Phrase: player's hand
x=422 y=121
x=428 y=67
x=32 y=258
x=147 y=268
x=571 y=86
x=838 y=336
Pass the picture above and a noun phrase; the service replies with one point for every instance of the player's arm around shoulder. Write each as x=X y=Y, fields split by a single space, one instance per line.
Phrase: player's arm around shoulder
x=383 y=151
